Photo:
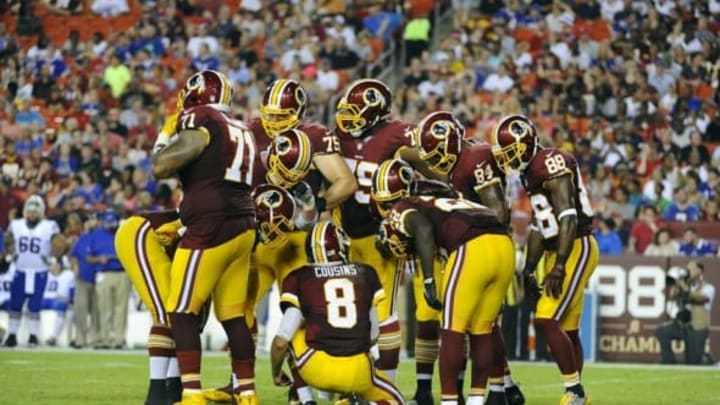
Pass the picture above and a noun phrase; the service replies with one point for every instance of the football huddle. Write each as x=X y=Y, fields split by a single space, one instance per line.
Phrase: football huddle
x=337 y=218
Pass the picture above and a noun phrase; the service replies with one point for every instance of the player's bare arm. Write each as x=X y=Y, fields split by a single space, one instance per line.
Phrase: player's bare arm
x=421 y=230
x=290 y=323
x=338 y=174
x=278 y=353
x=491 y=195
x=190 y=144
x=412 y=156
x=561 y=191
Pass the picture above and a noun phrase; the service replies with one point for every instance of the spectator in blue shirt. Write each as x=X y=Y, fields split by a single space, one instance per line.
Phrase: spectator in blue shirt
x=112 y=285
x=608 y=239
x=85 y=304
x=693 y=245
x=681 y=209
x=205 y=60
x=381 y=24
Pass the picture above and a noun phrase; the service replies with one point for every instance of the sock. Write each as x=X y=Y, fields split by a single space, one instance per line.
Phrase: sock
x=509 y=382
x=14 y=322
x=304 y=394
x=174 y=388
x=157 y=393
x=188 y=349
x=449 y=401
x=242 y=352
x=572 y=384
x=33 y=324
x=482 y=355
x=173 y=369
x=499 y=358
x=475 y=400
x=161 y=348
x=389 y=342
x=451 y=362
x=58 y=325
x=574 y=336
x=427 y=347
x=560 y=345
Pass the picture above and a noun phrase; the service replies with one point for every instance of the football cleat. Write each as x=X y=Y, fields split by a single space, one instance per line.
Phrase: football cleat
x=221 y=395
x=352 y=399
x=32 y=341
x=192 y=399
x=245 y=398
x=422 y=398
x=514 y=396
x=11 y=340
x=51 y=342
x=495 y=398
x=571 y=398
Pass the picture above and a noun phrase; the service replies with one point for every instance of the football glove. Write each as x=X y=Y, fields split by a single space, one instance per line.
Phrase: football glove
x=430 y=294
x=169 y=232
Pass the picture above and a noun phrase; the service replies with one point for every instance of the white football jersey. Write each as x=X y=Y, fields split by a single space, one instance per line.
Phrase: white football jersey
x=5 y=282
x=59 y=285
x=32 y=245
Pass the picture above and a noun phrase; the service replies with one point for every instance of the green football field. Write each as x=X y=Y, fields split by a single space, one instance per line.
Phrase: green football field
x=36 y=377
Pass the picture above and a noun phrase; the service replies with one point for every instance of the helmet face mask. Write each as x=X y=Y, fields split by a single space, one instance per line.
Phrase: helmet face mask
x=514 y=143
x=392 y=181
x=289 y=159
x=274 y=211
x=440 y=136
x=207 y=87
x=364 y=104
x=283 y=106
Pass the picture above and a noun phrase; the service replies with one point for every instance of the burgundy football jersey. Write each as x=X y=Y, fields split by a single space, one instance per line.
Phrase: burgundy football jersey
x=455 y=221
x=475 y=169
x=216 y=203
x=545 y=165
x=335 y=301
x=322 y=140
x=363 y=156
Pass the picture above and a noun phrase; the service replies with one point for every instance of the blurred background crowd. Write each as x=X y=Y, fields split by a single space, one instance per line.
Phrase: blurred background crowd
x=628 y=86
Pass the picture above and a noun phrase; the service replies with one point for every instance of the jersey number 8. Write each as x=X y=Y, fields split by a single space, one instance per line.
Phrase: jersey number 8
x=340 y=298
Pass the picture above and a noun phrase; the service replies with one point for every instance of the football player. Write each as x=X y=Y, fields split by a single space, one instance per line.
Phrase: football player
x=29 y=241
x=336 y=299
x=472 y=171
x=283 y=108
x=60 y=286
x=145 y=244
x=477 y=273
x=561 y=231
x=214 y=157
x=368 y=136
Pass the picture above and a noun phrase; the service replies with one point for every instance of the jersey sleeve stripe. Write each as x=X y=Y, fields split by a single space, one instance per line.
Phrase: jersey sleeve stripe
x=290 y=298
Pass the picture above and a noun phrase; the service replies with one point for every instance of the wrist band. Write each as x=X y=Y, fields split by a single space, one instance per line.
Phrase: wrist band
x=320 y=204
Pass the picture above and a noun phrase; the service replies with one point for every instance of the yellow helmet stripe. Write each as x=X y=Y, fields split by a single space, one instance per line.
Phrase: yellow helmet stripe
x=304 y=150
x=319 y=247
x=226 y=90
x=276 y=92
x=382 y=181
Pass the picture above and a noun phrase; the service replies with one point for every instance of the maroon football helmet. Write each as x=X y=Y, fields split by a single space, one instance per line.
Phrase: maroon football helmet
x=289 y=158
x=365 y=103
x=440 y=136
x=393 y=241
x=283 y=106
x=392 y=181
x=327 y=243
x=274 y=211
x=207 y=87
x=514 y=143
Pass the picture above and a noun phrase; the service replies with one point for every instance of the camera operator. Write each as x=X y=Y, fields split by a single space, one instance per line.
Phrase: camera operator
x=693 y=297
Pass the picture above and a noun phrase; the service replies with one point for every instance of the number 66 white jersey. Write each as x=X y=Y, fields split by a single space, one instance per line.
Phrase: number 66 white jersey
x=547 y=164
x=32 y=244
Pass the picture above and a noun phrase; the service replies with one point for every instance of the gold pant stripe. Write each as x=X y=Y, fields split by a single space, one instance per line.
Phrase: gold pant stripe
x=189 y=280
x=146 y=271
x=575 y=282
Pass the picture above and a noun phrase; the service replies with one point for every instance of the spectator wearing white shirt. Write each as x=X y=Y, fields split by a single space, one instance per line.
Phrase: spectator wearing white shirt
x=560 y=17
x=327 y=79
x=609 y=8
x=434 y=84
x=202 y=37
x=339 y=29
x=522 y=59
x=298 y=51
x=109 y=8
x=661 y=79
x=499 y=81
x=560 y=49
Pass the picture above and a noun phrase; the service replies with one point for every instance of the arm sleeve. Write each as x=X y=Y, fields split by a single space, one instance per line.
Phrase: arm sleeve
x=374 y=324
x=290 y=323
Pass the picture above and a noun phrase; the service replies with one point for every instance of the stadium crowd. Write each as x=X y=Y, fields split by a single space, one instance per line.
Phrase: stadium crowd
x=629 y=87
